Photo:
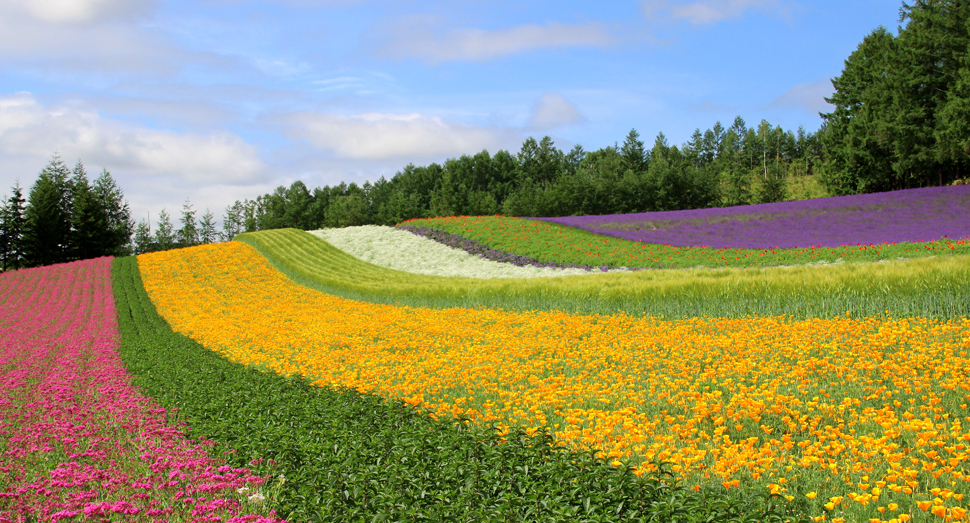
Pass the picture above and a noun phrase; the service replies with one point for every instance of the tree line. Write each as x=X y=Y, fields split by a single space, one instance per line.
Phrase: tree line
x=720 y=166
x=64 y=217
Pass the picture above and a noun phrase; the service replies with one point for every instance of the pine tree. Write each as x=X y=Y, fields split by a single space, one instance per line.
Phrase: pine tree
x=47 y=227
x=207 y=228
x=88 y=218
x=119 y=226
x=165 y=234
x=14 y=228
x=634 y=153
x=188 y=235
x=144 y=241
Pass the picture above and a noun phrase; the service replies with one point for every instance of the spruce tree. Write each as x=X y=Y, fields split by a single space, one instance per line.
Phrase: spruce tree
x=47 y=226
x=188 y=235
x=207 y=228
x=165 y=234
x=143 y=240
x=119 y=226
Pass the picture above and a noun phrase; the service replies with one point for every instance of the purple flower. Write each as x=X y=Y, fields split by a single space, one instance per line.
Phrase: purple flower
x=912 y=215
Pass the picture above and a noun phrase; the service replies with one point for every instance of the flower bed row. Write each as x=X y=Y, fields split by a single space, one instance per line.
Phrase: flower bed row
x=542 y=242
x=854 y=418
x=349 y=456
x=400 y=250
x=907 y=216
x=78 y=441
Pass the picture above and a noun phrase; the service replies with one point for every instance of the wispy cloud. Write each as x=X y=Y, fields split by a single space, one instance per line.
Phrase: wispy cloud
x=417 y=38
x=704 y=12
x=552 y=110
x=81 y=11
x=378 y=136
x=809 y=96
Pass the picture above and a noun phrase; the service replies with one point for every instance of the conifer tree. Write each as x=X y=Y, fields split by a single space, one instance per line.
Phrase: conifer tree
x=11 y=229
x=165 y=235
x=47 y=226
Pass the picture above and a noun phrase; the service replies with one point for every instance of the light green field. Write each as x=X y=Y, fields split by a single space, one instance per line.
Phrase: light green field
x=935 y=287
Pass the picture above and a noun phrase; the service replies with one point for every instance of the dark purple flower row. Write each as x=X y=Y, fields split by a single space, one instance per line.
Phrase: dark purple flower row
x=912 y=215
x=468 y=245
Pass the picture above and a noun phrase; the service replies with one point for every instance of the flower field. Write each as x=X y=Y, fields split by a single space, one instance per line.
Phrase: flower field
x=907 y=216
x=551 y=242
x=77 y=441
x=399 y=250
x=933 y=287
x=851 y=417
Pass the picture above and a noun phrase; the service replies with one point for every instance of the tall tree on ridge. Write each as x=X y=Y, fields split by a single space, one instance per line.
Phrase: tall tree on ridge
x=47 y=226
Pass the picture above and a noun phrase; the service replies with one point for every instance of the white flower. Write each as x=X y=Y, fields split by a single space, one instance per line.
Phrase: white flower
x=242 y=490
x=256 y=498
x=403 y=251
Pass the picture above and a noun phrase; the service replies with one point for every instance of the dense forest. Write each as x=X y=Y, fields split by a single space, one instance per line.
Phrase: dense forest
x=900 y=119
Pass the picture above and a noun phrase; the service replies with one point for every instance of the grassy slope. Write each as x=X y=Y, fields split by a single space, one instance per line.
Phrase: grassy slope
x=928 y=287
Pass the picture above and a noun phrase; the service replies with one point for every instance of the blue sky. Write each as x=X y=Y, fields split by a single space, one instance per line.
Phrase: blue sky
x=218 y=100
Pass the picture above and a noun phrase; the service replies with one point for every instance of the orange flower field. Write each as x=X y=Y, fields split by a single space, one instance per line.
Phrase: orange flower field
x=867 y=418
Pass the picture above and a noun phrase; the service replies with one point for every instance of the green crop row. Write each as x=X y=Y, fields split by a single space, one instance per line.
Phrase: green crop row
x=347 y=456
x=936 y=287
x=551 y=242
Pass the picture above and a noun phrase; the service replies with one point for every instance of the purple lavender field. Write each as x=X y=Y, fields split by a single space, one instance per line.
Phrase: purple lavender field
x=912 y=215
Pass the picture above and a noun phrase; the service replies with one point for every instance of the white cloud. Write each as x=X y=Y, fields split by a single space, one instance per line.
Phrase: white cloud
x=416 y=39
x=704 y=12
x=82 y=11
x=808 y=96
x=378 y=136
x=552 y=110
x=27 y=128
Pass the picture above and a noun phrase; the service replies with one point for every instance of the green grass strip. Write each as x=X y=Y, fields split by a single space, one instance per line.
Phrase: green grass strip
x=355 y=457
x=552 y=242
x=937 y=287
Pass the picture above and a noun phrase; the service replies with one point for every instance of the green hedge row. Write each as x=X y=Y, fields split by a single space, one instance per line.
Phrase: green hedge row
x=355 y=457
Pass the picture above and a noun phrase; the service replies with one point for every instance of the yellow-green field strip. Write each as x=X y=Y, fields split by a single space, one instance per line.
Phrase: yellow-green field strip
x=936 y=287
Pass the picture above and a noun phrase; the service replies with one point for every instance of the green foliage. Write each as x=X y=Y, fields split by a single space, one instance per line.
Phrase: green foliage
x=12 y=230
x=932 y=287
x=542 y=180
x=47 y=225
x=348 y=456
x=901 y=104
x=65 y=217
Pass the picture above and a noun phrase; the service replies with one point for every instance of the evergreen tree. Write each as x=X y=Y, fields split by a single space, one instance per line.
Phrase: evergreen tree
x=188 y=234
x=115 y=238
x=232 y=221
x=634 y=154
x=89 y=222
x=860 y=129
x=144 y=241
x=11 y=229
x=47 y=226
x=207 y=228
x=165 y=235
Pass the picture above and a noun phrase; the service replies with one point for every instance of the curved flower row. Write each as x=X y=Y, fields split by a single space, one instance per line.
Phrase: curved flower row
x=478 y=248
x=78 y=441
x=866 y=418
x=400 y=250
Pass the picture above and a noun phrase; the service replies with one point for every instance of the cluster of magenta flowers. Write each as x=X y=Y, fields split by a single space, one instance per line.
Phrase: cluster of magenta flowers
x=478 y=248
x=77 y=441
x=912 y=215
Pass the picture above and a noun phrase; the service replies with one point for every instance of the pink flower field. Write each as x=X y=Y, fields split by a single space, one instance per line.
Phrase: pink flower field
x=77 y=441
